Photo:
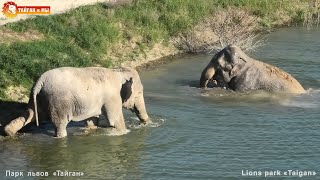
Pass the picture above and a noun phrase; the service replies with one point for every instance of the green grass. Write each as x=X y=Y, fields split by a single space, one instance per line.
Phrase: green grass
x=83 y=36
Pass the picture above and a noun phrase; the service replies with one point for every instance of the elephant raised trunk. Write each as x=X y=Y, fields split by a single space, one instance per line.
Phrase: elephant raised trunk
x=206 y=75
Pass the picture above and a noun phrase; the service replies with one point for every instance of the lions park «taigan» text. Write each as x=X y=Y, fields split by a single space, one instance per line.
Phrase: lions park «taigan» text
x=279 y=173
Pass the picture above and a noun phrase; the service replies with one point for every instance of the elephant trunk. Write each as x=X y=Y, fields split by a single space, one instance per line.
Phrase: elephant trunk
x=206 y=75
x=140 y=109
x=15 y=125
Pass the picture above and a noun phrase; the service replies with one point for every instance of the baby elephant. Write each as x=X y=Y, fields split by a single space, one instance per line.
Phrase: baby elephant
x=77 y=94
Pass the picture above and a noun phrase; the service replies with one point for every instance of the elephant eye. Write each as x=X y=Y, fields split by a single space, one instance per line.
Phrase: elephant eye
x=242 y=59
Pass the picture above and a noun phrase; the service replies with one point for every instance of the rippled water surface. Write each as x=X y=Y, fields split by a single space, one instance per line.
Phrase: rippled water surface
x=196 y=134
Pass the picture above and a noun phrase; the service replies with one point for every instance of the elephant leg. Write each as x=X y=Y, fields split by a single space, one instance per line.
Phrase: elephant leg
x=113 y=112
x=93 y=122
x=60 y=129
x=60 y=124
x=15 y=125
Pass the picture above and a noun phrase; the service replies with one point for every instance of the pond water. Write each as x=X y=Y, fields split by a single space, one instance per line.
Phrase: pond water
x=196 y=134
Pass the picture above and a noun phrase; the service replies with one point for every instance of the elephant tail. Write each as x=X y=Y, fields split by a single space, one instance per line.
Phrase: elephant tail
x=36 y=90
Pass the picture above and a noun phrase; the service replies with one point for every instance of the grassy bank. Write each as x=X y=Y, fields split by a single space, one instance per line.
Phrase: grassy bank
x=109 y=35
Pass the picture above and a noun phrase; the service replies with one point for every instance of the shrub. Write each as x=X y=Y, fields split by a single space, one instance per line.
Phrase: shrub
x=231 y=26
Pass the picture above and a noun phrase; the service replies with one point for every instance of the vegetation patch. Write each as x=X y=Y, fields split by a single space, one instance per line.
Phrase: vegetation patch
x=226 y=26
x=134 y=31
x=8 y=36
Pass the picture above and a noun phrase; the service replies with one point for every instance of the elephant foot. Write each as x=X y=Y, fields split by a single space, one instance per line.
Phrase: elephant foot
x=118 y=132
x=61 y=133
x=120 y=125
x=145 y=122
x=14 y=126
x=59 y=136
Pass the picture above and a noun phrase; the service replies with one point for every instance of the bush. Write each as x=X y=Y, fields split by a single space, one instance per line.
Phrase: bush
x=231 y=26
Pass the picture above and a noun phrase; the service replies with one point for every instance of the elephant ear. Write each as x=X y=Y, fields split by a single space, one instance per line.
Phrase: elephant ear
x=126 y=90
x=238 y=62
x=236 y=68
x=234 y=71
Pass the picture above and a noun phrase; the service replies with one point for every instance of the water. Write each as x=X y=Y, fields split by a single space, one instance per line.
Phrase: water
x=196 y=134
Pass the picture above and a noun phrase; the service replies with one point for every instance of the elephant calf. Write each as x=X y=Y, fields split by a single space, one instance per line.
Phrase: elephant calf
x=231 y=67
x=77 y=94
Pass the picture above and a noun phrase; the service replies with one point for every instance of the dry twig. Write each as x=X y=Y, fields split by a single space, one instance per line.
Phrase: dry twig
x=231 y=26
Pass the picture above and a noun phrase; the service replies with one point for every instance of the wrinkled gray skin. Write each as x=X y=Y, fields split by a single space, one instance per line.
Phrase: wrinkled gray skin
x=77 y=94
x=233 y=69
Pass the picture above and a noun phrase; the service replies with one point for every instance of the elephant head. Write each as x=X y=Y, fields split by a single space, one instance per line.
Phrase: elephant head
x=132 y=93
x=224 y=66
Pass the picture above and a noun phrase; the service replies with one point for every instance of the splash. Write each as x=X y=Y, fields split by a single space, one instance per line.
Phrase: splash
x=313 y=91
x=132 y=124
x=115 y=132
x=311 y=99
x=135 y=123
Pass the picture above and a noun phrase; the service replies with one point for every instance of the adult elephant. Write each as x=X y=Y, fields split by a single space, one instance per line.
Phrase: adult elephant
x=77 y=94
x=232 y=68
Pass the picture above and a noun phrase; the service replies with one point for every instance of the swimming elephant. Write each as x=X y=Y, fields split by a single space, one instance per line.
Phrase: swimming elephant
x=77 y=94
x=233 y=69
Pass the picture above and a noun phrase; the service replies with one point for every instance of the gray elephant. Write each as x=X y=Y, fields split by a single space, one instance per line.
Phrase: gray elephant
x=77 y=94
x=233 y=69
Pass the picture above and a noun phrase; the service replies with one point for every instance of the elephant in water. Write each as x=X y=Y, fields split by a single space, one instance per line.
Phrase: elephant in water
x=77 y=94
x=233 y=69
